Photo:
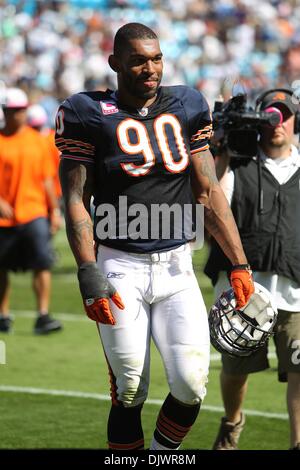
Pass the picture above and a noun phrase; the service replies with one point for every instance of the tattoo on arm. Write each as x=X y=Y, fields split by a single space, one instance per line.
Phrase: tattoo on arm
x=207 y=168
x=212 y=219
x=77 y=185
x=75 y=181
x=218 y=216
x=80 y=232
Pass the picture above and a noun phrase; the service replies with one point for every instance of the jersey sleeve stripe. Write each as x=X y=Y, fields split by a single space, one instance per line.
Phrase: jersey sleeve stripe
x=205 y=129
x=203 y=135
x=62 y=140
x=76 y=158
x=205 y=147
x=200 y=137
x=74 y=149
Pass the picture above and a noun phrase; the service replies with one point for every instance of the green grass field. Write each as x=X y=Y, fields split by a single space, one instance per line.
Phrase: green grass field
x=36 y=410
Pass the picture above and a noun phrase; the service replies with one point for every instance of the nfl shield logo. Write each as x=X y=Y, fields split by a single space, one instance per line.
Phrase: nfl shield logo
x=108 y=107
x=143 y=112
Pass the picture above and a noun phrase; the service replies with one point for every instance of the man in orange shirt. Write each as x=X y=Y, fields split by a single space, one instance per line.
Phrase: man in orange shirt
x=29 y=213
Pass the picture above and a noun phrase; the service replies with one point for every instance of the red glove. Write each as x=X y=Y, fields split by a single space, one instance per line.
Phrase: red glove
x=99 y=309
x=241 y=281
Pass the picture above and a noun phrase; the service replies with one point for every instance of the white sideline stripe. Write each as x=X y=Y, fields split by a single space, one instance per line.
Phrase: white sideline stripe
x=101 y=397
x=215 y=357
x=66 y=277
x=61 y=316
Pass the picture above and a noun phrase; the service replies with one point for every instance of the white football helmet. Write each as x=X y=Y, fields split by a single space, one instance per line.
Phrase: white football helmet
x=241 y=332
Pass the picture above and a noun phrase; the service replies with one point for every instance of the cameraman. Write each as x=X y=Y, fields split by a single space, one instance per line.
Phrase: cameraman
x=264 y=193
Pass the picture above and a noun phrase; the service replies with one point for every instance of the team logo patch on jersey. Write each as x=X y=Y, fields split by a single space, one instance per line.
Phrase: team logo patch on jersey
x=108 y=107
x=143 y=112
x=115 y=275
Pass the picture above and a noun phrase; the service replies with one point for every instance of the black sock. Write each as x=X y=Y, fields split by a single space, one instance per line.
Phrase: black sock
x=124 y=428
x=174 y=422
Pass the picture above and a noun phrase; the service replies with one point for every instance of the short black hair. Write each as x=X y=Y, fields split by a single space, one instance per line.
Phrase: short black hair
x=131 y=31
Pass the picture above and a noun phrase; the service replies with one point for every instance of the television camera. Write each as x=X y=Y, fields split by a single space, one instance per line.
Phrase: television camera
x=237 y=126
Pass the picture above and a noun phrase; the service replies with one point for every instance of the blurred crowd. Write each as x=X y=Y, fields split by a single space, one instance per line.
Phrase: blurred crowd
x=52 y=49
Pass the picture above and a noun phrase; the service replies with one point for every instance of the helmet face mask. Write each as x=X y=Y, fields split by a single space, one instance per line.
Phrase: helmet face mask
x=241 y=332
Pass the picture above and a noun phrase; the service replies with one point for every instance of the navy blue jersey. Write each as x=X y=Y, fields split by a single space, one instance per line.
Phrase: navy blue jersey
x=141 y=161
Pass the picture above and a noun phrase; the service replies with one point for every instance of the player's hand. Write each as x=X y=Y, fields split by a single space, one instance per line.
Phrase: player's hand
x=96 y=291
x=55 y=221
x=6 y=210
x=241 y=281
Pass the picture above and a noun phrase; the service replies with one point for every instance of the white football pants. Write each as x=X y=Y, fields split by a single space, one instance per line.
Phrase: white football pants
x=162 y=300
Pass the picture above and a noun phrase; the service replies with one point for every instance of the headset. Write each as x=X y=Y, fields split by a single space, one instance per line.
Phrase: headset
x=262 y=96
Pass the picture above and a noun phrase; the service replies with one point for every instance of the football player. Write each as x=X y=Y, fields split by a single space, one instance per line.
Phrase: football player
x=141 y=148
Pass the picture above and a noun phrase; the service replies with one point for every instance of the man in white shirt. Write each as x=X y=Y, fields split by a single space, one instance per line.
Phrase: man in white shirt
x=264 y=193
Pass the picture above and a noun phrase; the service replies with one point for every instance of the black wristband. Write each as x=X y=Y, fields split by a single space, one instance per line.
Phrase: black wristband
x=90 y=280
x=92 y=283
x=245 y=267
